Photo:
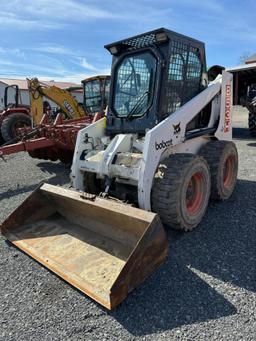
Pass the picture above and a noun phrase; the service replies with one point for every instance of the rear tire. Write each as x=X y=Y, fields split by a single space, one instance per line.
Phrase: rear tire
x=252 y=124
x=181 y=190
x=223 y=162
x=11 y=123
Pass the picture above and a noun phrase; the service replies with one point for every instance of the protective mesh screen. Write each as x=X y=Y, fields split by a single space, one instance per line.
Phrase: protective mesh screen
x=193 y=75
x=133 y=84
x=93 y=96
x=107 y=89
x=184 y=76
x=143 y=41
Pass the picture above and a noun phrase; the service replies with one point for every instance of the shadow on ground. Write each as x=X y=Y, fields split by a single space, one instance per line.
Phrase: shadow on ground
x=253 y=144
x=223 y=246
x=242 y=134
x=19 y=190
x=56 y=174
x=53 y=168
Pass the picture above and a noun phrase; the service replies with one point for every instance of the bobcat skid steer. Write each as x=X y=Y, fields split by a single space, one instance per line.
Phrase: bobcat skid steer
x=162 y=151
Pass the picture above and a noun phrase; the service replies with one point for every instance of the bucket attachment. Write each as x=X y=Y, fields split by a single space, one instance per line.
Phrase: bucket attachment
x=103 y=248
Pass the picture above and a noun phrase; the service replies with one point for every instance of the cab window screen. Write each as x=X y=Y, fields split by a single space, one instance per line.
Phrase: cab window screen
x=93 y=96
x=184 y=76
x=134 y=84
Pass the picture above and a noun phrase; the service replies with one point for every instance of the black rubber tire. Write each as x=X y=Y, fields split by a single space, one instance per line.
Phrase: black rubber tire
x=170 y=188
x=252 y=124
x=216 y=154
x=8 y=125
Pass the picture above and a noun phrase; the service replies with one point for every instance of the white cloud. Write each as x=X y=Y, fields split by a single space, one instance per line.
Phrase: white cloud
x=76 y=77
x=15 y=20
x=46 y=61
x=69 y=77
x=86 y=65
x=9 y=53
x=74 y=56
x=51 y=14
x=66 y=9
x=73 y=78
x=46 y=67
x=206 y=20
x=52 y=49
x=209 y=5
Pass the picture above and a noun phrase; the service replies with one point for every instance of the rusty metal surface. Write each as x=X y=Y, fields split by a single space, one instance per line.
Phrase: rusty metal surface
x=26 y=146
x=103 y=248
x=48 y=141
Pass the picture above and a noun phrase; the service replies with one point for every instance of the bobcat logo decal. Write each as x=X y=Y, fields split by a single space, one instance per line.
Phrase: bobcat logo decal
x=176 y=129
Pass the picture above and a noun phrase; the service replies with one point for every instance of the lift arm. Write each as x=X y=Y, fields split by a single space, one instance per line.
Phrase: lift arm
x=61 y=97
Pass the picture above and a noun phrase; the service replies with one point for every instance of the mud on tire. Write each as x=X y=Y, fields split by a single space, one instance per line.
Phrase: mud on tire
x=181 y=190
x=222 y=158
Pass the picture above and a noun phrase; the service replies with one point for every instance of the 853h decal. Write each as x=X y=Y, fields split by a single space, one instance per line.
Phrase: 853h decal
x=227 y=123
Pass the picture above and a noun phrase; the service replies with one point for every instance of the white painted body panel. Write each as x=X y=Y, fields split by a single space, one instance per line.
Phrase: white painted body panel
x=98 y=155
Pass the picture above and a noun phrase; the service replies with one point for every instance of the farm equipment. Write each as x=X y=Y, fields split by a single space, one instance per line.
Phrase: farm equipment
x=249 y=101
x=38 y=92
x=15 y=114
x=56 y=140
x=165 y=147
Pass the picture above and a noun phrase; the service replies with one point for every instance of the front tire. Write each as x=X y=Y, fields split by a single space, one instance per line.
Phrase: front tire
x=181 y=190
x=11 y=123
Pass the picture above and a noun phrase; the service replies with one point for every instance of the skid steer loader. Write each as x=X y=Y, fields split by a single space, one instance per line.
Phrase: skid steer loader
x=165 y=146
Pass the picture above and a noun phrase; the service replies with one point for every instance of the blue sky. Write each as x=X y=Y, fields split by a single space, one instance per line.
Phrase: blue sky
x=64 y=39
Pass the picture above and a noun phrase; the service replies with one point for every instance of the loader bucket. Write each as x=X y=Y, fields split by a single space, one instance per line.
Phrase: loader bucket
x=102 y=247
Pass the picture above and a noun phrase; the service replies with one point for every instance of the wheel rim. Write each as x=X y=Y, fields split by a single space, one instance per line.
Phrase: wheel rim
x=194 y=194
x=228 y=172
x=17 y=126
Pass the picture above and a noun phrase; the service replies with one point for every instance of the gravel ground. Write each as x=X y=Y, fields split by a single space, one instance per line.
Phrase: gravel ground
x=206 y=290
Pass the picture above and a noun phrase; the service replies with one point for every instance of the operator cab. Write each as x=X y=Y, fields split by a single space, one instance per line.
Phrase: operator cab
x=12 y=97
x=96 y=93
x=153 y=74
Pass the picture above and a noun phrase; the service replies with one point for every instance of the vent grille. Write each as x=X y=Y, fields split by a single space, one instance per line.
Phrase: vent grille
x=140 y=42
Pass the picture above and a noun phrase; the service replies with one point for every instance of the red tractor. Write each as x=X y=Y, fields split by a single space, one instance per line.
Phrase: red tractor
x=55 y=140
x=15 y=115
